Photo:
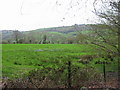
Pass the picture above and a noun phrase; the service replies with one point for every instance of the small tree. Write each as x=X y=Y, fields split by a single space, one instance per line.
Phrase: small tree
x=16 y=34
x=21 y=41
x=44 y=39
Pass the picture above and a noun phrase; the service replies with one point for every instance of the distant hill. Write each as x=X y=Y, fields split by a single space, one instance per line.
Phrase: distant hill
x=53 y=33
x=65 y=29
x=6 y=34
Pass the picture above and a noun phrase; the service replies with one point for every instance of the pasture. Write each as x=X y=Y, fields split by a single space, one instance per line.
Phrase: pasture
x=19 y=59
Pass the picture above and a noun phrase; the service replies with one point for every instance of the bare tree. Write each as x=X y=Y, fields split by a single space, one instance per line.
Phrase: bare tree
x=16 y=34
x=106 y=35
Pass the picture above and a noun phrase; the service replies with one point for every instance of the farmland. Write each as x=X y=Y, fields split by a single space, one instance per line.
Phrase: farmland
x=19 y=59
x=82 y=52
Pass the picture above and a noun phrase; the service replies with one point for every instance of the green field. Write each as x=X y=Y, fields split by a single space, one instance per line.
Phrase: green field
x=19 y=59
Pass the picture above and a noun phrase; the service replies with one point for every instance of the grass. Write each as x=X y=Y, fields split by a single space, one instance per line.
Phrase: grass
x=19 y=59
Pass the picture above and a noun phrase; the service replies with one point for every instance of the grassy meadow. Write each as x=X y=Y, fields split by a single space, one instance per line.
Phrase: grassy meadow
x=19 y=59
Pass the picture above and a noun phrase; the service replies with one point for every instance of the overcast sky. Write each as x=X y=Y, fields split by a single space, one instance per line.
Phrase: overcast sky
x=27 y=15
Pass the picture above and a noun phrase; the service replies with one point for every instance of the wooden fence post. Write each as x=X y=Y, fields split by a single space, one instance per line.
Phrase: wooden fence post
x=104 y=71
x=69 y=74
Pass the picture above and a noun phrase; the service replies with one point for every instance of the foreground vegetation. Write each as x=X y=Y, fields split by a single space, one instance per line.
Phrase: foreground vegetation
x=51 y=61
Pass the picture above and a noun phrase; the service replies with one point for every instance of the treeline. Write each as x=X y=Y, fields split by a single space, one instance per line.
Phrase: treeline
x=18 y=37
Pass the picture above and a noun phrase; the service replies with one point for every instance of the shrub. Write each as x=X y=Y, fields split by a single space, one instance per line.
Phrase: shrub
x=54 y=78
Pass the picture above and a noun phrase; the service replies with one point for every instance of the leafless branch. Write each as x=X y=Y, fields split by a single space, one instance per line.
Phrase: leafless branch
x=22 y=7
